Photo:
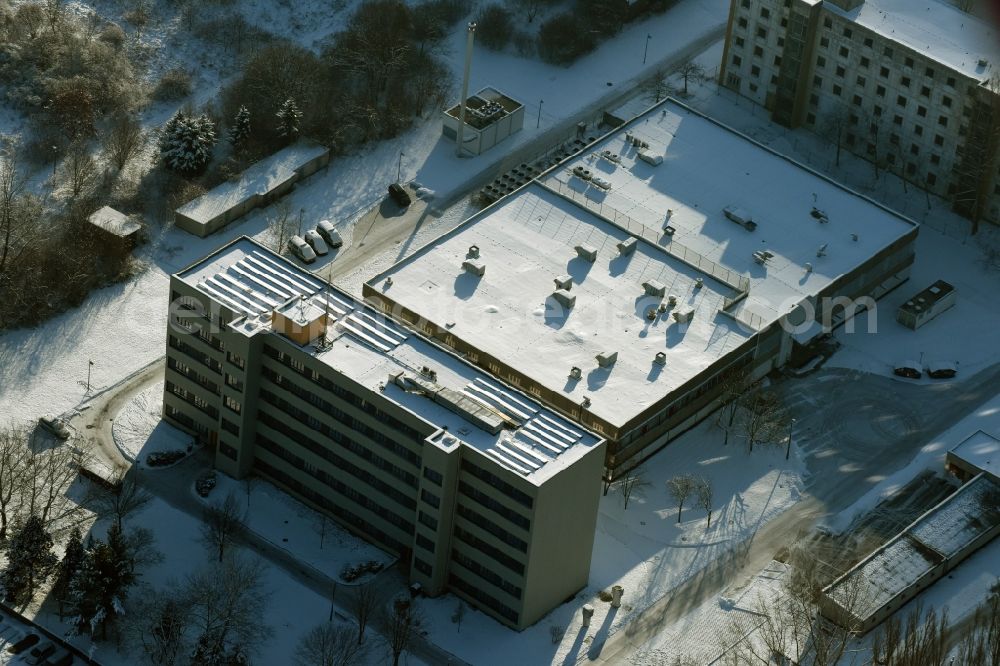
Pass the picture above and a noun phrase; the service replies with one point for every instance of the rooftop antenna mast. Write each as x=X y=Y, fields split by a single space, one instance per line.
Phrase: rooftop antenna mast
x=465 y=89
x=323 y=342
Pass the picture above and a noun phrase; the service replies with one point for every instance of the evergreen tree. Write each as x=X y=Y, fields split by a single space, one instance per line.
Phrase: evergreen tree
x=101 y=586
x=288 y=119
x=186 y=143
x=30 y=560
x=68 y=568
x=240 y=130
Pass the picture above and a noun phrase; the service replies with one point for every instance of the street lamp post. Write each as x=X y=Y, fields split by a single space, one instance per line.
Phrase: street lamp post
x=645 y=51
x=90 y=364
x=788 y=447
x=539 y=123
x=332 y=599
x=399 y=165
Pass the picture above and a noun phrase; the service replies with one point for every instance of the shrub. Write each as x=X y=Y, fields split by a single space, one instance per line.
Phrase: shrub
x=606 y=17
x=113 y=36
x=174 y=85
x=205 y=483
x=564 y=38
x=495 y=27
x=164 y=458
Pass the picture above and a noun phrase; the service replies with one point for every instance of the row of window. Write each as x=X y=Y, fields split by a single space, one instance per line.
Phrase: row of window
x=490 y=503
x=335 y=484
x=495 y=481
x=192 y=399
x=336 y=508
x=184 y=419
x=184 y=369
x=345 y=419
x=489 y=550
x=484 y=523
x=487 y=574
x=324 y=452
x=343 y=393
x=485 y=599
x=195 y=354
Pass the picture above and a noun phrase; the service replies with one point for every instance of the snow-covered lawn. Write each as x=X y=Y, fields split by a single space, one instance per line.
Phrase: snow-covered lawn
x=138 y=429
x=290 y=525
x=643 y=548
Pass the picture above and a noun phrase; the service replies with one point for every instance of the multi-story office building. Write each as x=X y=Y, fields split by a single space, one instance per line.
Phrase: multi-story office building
x=477 y=487
x=624 y=286
x=910 y=85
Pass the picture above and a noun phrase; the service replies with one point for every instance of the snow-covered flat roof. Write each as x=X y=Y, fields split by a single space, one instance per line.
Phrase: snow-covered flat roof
x=526 y=243
x=368 y=348
x=257 y=180
x=981 y=450
x=113 y=221
x=936 y=29
x=939 y=534
x=529 y=239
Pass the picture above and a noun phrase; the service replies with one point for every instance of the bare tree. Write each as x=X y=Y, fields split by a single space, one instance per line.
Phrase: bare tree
x=658 y=86
x=834 y=128
x=280 y=225
x=13 y=227
x=764 y=419
x=399 y=624
x=632 y=481
x=458 y=615
x=13 y=468
x=690 y=71
x=79 y=168
x=159 y=623
x=222 y=522
x=227 y=603
x=250 y=481
x=50 y=473
x=734 y=385
x=123 y=140
x=981 y=646
x=704 y=498
x=123 y=498
x=330 y=644
x=921 y=641
x=364 y=602
x=680 y=488
x=530 y=8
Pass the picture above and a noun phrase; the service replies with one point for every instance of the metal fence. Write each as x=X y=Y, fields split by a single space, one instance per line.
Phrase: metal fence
x=677 y=250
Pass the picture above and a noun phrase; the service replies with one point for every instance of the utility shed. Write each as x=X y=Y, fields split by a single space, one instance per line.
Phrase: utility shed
x=926 y=305
x=115 y=228
x=490 y=117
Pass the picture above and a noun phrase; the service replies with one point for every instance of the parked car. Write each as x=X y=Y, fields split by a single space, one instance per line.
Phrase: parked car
x=329 y=233
x=55 y=426
x=941 y=369
x=40 y=652
x=23 y=644
x=316 y=242
x=61 y=657
x=399 y=195
x=909 y=369
x=301 y=249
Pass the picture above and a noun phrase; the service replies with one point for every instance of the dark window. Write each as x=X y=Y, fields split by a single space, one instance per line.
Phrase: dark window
x=900 y=100
x=951 y=81
x=943 y=121
x=925 y=91
x=918 y=130
x=897 y=120
x=762 y=33
x=430 y=498
x=884 y=72
x=229 y=426
x=938 y=140
x=865 y=62
x=887 y=52
x=847 y=33
x=758 y=51
x=921 y=111
x=486 y=573
x=908 y=62
x=931 y=179
x=753 y=87
x=827 y=23
x=742 y=22
x=856 y=100
x=493 y=480
x=868 y=42
x=904 y=81
x=935 y=159
x=737 y=60
x=234 y=381
x=814 y=99
x=911 y=168
x=824 y=42
x=840 y=71
x=764 y=13
x=777 y=60
x=425 y=543
x=236 y=360
x=232 y=404
x=929 y=73
x=837 y=90
x=433 y=476
x=774 y=79
x=880 y=91
x=914 y=149
x=781 y=40
x=877 y=110
x=227 y=451
x=843 y=52
x=818 y=81
x=739 y=41
x=894 y=139
x=754 y=71
x=427 y=520
x=946 y=101
x=810 y=119
x=861 y=81
x=745 y=4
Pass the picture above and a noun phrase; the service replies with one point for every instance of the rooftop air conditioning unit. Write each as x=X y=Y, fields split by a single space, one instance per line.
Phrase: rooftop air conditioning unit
x=684 y=316
x=564 y=298
x=671 y=300
x=607 y=359
x=699 y=283
x=660 y=358
x=575 y=372
x=477 y=268
x=627 y=246
x=654 y=288
x=587 y=252
x=601 y=182
x=650 y=158
x=564 y=282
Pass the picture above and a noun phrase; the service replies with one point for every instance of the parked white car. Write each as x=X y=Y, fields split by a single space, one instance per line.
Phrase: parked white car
x=329 y=233
x=301 y=249
x=316 y=242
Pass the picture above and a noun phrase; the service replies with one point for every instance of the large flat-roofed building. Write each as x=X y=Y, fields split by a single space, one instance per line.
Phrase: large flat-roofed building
x=571 y=290
x=477 y=487
x=908 y=84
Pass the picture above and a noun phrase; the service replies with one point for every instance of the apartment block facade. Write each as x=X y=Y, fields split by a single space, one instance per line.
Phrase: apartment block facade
x=909 y=85
x=478 y=489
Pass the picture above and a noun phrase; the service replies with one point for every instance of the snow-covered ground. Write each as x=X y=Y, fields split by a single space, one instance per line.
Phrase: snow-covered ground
x=643 y=548
x=290 y=525
x=138 y=429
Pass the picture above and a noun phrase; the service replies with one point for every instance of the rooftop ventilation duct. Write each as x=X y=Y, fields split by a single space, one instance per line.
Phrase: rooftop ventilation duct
x=607 y=359
x=473 y=252
x=684 y=316
x=627 y=246
x=564 y=282
x=475 y=267
x=660 y=358
x=564 y=298
x=587 y=252
x=575 y=372
x=654 y=288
